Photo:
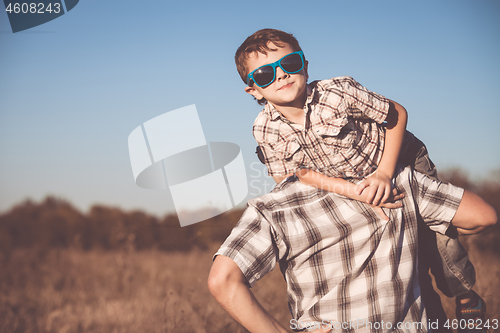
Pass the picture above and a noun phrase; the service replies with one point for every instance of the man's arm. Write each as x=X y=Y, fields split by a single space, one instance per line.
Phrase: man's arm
x=228 y=285
x=437 y=201
x=473 y=215
x=379 y=184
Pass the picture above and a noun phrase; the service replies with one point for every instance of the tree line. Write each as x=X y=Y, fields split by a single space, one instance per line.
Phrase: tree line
x=55 y=223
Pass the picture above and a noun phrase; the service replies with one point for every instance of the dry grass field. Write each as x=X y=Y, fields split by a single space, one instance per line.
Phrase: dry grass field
x=112 y=271
x=70 y=290
x=118 y=291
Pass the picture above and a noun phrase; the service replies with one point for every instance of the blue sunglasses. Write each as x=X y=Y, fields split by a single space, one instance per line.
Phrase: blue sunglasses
x=265 y=75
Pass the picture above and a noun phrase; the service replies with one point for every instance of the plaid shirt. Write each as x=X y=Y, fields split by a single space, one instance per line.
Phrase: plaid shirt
x=342 y=135
x=341 y=262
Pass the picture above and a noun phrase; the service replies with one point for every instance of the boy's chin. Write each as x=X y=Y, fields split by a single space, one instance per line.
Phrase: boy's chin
x=290 y=97
x=285 y=102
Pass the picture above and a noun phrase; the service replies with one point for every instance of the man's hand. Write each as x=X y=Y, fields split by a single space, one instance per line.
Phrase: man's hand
x=376 y=188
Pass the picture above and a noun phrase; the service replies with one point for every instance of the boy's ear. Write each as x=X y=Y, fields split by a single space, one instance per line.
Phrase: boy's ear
x=252 y=91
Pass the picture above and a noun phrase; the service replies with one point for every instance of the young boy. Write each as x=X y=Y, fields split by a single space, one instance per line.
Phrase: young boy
x=331 y=134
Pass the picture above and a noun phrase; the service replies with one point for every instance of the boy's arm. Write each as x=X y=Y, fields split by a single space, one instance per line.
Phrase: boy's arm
x=347 y=189
x=379 y=184
x=228 y=285
x=279 y=179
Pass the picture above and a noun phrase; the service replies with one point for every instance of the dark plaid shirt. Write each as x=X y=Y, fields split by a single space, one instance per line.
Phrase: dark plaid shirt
x=342 y=135
x=341 y=262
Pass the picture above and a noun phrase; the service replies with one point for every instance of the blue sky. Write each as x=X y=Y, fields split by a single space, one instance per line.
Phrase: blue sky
x=73 y=89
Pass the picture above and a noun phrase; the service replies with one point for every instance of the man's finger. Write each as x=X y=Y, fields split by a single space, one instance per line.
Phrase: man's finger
x=398 y=197
x=395 y=196
x=393 y=199
x=391 y=205
x=381 y=213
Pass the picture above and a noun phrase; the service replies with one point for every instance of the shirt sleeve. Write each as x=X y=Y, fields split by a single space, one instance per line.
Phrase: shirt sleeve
x=437 y=202
x=362 y=103
x=252 y=246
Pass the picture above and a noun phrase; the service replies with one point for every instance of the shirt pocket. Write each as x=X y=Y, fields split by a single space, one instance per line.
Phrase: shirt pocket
x=337 y=134
x=290 y=152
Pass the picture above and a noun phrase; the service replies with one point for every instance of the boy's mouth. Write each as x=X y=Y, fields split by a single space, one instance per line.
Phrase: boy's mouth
x=286 y=86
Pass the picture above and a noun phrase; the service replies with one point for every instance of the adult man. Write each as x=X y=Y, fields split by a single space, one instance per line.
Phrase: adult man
x=344 y=265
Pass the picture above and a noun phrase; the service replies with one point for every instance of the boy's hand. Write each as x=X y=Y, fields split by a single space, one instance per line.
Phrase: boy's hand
x=390 y=203
x=377 y=188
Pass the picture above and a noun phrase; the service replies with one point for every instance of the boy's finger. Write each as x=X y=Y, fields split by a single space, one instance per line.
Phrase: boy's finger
x=370 y=196
x=378 y=196
x=361 y=187
x=387 y=194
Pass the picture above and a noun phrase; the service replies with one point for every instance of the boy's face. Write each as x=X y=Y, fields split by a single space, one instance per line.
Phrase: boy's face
x=287 y=89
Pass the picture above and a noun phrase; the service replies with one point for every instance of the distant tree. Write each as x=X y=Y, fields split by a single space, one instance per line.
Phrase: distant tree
x=54 y=222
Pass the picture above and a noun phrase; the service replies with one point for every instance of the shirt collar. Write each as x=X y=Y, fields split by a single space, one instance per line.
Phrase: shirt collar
x=310 y=93
x=271 y=111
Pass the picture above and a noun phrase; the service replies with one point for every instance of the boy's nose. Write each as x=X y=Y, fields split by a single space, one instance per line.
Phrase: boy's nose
x=280 y=74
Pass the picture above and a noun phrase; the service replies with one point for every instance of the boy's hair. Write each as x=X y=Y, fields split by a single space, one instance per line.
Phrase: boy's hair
x=258 y=42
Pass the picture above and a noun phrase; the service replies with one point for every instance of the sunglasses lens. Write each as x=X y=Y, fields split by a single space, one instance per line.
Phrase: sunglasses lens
x=264 y=75
x=292 y=63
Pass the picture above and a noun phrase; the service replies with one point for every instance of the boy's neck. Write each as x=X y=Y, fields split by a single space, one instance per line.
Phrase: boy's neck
x=294 y=111
x=295 y=115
